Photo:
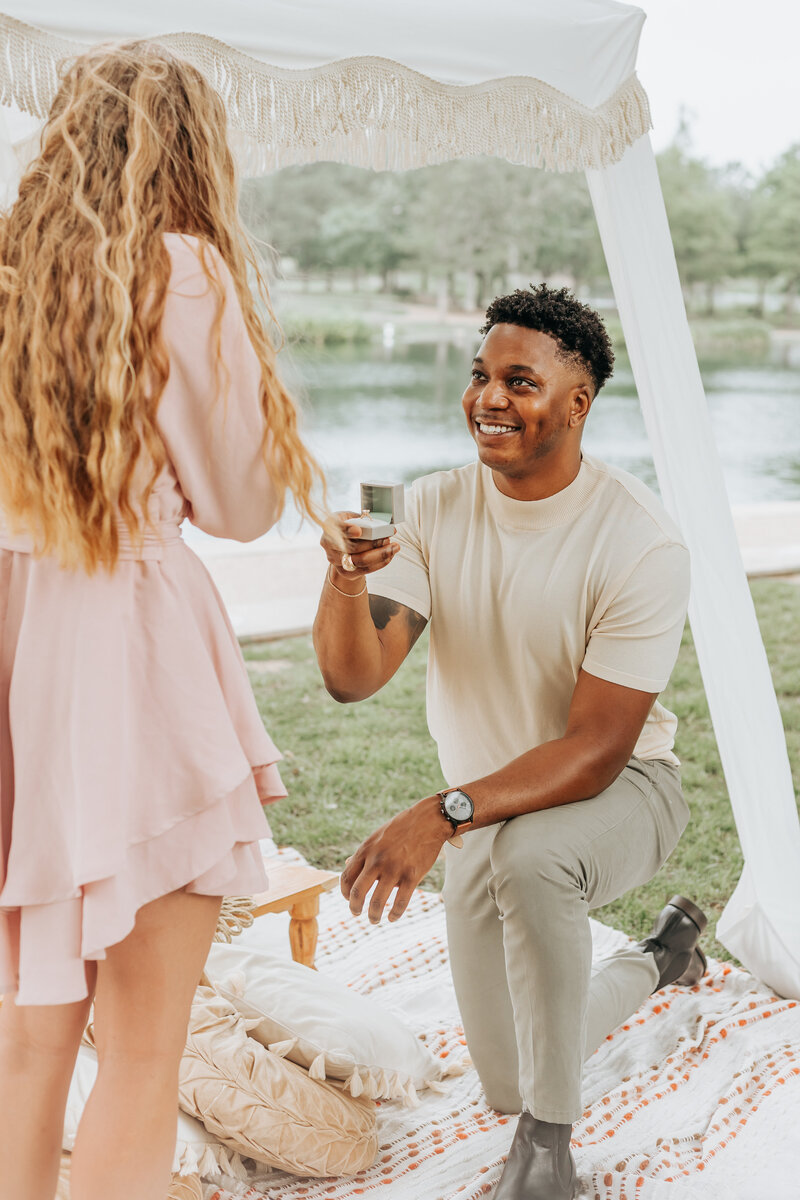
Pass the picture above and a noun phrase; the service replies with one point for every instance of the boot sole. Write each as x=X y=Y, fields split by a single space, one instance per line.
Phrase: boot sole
x=691 y=910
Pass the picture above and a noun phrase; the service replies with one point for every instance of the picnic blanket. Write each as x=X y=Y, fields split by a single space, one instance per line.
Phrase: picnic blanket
x=697 y=1097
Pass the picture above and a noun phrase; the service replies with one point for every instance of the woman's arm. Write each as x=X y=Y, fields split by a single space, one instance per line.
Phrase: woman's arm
x=210 y=415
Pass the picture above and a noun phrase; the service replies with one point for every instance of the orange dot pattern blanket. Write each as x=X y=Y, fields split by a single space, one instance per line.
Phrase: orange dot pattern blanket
x=696 y=1098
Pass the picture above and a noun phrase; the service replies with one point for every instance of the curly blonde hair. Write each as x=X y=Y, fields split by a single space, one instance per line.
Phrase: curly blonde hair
x=135 y=146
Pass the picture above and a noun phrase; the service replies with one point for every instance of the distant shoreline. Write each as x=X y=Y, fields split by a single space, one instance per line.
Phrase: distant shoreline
x=271 y=589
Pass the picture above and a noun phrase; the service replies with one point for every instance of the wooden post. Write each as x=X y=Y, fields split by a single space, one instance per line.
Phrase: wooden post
x=303 y=930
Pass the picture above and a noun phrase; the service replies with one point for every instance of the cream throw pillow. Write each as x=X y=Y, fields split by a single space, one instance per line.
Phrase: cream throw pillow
x=320 y=1024
x=197 y=1152
x=265 y=1108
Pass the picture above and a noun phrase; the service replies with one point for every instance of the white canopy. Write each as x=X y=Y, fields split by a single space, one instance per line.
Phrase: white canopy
x=385 y=85
x=458 y=43
x=378 y=84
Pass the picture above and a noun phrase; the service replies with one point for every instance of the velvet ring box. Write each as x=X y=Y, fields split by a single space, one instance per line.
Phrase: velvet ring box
x=382 y=508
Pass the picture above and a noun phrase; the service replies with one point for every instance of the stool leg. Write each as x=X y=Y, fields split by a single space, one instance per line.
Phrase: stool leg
x=303 y=930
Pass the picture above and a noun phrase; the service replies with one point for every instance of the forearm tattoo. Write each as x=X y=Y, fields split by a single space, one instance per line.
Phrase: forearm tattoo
x=382 y=610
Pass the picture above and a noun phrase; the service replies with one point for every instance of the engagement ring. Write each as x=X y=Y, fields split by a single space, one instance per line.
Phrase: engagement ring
x=347 y=563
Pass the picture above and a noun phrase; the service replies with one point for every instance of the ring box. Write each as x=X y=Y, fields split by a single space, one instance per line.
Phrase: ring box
x=382 y=508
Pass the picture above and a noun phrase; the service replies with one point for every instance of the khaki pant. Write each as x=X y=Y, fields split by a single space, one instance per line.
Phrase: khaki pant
x=517 y=897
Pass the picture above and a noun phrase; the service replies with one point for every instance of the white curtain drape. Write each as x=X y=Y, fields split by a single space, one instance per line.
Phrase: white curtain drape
x=761 y=923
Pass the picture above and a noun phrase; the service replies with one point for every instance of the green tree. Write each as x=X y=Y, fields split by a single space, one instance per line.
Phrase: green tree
x=288 y=209
x=487 y=219
x=773 y=247
x=367 y=231
x=458 y=223
x=701 y=217
x=556 y=221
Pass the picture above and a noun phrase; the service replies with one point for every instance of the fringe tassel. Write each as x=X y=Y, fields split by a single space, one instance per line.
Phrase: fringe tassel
x=369 y=112
x=230 y=1163
x=456 y=1068
x=215 y=1159
x=209 y=1162
x=283 y=1049
x=355 y=1084
x=317 y=1068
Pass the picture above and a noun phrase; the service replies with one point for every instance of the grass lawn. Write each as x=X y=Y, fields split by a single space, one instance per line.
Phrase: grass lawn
x=348 y=768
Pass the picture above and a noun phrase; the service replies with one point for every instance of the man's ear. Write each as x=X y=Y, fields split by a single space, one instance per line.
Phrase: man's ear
x=580 y=404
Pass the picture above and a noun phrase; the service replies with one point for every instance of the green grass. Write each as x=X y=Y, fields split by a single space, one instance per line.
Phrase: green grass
x=348 y=768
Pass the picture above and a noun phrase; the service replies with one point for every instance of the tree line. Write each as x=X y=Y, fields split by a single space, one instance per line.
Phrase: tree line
x=466 y=230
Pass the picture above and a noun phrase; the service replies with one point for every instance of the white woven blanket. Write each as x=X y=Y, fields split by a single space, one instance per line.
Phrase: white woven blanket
x=697 y=1098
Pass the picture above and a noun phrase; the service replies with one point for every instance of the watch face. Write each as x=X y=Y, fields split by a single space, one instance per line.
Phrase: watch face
x=459 y=806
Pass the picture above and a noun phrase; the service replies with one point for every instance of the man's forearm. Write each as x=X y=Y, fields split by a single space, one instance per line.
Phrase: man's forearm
x=346 y=641
x=403 y=850
x=603 y=727
x=558 y=772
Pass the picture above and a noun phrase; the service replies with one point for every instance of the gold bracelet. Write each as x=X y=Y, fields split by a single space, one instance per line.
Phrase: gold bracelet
x=350 y=595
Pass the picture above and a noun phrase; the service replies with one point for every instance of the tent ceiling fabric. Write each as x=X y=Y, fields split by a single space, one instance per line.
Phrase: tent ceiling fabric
x=586 y=48
x=377 y=85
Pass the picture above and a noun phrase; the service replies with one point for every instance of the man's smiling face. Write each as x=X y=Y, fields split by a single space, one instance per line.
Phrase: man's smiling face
x=524 y=403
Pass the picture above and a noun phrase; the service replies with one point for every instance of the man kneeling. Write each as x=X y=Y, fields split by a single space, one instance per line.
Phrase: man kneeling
x=556 y=587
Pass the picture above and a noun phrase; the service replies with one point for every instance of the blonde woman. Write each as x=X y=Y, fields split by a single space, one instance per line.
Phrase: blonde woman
x=137 y=388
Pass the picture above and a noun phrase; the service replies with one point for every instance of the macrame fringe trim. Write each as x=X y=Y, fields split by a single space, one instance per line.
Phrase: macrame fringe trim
x=369 y=112
x=211 y=1159
x=373 y=1083
x=235 y=915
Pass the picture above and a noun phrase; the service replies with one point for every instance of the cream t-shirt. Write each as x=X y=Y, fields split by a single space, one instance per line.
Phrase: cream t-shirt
x=523 y=594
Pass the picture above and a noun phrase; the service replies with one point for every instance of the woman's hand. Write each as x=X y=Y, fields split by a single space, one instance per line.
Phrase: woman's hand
x=398 y=855
x=343 y=544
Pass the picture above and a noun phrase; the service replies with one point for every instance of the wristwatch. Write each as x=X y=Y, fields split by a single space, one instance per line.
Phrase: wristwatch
x=457 y=806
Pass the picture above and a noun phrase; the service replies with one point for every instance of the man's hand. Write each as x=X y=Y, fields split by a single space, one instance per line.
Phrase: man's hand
x=360 y=639
x=398 y=855
x=344 y=536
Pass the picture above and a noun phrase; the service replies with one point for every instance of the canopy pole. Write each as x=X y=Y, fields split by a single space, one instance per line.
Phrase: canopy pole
x=761 y=922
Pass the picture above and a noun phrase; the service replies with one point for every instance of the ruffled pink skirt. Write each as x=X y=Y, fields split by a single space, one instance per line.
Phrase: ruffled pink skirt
x=133 y=760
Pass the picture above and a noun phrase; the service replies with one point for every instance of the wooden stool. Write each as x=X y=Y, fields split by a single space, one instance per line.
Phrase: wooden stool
x=296 y=890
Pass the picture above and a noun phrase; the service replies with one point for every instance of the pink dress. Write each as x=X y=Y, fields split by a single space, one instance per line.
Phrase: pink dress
x=133 y=760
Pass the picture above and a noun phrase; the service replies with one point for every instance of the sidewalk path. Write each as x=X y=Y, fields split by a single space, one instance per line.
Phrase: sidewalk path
x=274 y=593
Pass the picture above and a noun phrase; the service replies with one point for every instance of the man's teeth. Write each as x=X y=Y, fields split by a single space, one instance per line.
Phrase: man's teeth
x=496 y=428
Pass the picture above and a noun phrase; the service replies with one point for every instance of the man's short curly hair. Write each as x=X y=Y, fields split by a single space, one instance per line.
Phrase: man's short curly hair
x=577 y=329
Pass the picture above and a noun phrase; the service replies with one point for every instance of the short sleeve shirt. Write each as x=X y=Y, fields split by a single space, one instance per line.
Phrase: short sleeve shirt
x=522 y=595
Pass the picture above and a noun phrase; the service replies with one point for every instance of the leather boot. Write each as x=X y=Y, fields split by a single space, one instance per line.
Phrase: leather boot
x=673 y=943
x=539 y=1164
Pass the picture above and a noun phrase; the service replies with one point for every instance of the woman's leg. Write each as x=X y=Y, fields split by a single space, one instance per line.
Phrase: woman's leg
x=38 y=1048
x=145 y=985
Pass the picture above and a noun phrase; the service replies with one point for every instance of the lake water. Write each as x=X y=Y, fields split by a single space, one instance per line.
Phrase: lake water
x=395 y=413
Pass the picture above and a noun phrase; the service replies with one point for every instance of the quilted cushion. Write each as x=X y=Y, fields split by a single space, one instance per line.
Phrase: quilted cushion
x=264 y=1107
x=324 y=1026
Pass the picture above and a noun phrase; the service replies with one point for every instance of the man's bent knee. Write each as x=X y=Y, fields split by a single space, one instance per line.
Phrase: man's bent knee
x=535 y=853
